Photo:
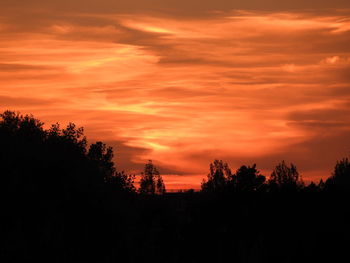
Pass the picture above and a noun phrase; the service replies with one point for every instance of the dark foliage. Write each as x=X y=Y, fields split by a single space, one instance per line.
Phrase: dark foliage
x=248 y=179
x=285 y=178
x=151 y=180
x=53 y=162
x=64 y=201
x=340 y=179
x=220 y=174
x=220 y=179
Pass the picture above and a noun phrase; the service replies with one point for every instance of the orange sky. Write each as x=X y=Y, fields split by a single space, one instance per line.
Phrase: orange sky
x=183 y=84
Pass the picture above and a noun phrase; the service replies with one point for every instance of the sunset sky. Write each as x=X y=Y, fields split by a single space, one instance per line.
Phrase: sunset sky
x=185 y=82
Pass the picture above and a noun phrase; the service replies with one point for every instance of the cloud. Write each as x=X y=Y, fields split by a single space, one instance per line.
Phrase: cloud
x=179 y=7
x=10 y=102
x=127 y=156
x=8 y=67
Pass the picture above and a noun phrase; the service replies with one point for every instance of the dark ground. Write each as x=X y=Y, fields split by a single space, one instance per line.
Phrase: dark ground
x=187 y=227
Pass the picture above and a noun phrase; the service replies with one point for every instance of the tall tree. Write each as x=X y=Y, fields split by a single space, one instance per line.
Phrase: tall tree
x=340 y=179
x=54 y=160
x=103 y=158
x=151 y=180
x=285 y=178
x=219 y=174
x=37 y=160
x=247 y=179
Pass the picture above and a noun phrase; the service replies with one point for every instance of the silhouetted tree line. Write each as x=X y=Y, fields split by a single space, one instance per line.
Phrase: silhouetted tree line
x=63 y=200
x=29 y=153
x=284 y=178
x=33 y=158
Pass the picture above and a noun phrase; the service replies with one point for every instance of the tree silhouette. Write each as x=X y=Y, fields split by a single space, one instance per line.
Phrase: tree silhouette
x=102 y=156
x=123 y=181
x=340 y=179
x=151 y=180
x=285 y=178
x=217 y=179
x=321 y=185
x=54 y=160
x=21 y=137
x=312 y=187
x=247 y=179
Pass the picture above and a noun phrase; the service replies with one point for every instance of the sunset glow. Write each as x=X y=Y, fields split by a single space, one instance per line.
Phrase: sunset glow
x=242 y=85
